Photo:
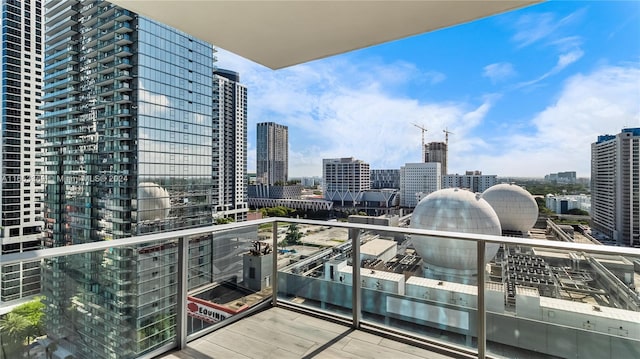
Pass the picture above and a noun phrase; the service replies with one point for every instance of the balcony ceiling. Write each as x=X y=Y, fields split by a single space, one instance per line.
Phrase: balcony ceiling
x=278 y=34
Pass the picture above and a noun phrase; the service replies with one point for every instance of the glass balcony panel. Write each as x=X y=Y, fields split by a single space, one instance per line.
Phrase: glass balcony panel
x=313 y=267
x=540 y=301
x=229 y=272
x=125 y=295
x=545 y=302
x=424 y=287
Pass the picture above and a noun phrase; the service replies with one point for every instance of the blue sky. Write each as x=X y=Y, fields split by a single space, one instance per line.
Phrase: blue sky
x=525 y=93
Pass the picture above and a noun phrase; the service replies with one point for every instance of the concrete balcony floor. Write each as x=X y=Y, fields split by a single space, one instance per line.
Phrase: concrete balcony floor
x=282 y=333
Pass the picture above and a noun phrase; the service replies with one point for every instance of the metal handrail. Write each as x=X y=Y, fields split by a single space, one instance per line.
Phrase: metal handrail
x=34 y=255
x=354 y=234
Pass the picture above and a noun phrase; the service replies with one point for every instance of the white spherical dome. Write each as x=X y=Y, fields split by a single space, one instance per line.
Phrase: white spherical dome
x=454 y=210
x=153 y=202
x=515 y=206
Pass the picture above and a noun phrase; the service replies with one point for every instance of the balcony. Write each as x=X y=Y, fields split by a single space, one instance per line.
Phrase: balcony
x=70 y=80
x=60 y=73
x=292 y=334
x=306 y=300
x=64 y=93
x=63 y=33
x=69 y=50
x=70 y=60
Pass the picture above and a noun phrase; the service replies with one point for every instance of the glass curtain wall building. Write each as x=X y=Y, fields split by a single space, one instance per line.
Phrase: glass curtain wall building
x=129 y=151
x=22 y=62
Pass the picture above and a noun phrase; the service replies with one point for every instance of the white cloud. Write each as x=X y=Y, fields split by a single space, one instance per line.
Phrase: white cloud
x=601 y=102
x=434 y=77
x=567 y=59
x=536 y=27
x=546 y=30
x=361 y=114
x=564 y=60
x=337 y=108
x=499 y=71
x=533 y=27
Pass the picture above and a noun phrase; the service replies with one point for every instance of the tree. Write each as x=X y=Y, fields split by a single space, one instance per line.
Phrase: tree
x=33 y=311
x=224 y=220
x=578 y=211
x=542 y=206
x=293 y=236
x=278 y=211
x=13 y=331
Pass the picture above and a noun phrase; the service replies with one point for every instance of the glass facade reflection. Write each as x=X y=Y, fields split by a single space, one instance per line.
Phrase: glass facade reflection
x=174 y=124
x=21 y=77
x=128 y=150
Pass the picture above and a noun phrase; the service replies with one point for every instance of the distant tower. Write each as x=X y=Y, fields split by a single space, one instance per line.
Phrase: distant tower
x=436 y=152
x=230 y=159
x=272 y=153
x=615 y=185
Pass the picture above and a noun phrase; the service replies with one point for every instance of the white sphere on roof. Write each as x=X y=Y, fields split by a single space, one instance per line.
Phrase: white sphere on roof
x=515 y=206
x=153 y=202
x=454 y=210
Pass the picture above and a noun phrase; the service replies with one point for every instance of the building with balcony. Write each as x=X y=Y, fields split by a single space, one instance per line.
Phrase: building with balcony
x=472 y=180
x=20 y=207
x=229 y=171
x=272 y=154
x=417 y=180
x=344 y=179
x=615 y=206
x=141 y=136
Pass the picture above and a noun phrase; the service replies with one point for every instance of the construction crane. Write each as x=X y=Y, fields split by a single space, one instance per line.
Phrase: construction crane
x=446 y=136
x=423 y=131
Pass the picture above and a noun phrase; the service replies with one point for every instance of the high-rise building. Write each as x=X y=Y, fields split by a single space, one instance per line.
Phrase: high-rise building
x=382 y=179
x=344 y=179
x=436 y=152
x=418 y=180
x=272 y=153
x=230 y=155
x=615 y=184
x=136 y=124
x=472 y=180
x=20 y=207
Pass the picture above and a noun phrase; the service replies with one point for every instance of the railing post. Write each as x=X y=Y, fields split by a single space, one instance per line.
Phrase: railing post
x=183 y=285
x=274 y=266
x=482 y=310
x=356 y=296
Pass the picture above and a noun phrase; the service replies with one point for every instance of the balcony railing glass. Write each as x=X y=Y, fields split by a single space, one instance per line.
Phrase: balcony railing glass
x=150 y=293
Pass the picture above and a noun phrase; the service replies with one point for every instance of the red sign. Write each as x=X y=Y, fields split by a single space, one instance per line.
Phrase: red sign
x=207 y=311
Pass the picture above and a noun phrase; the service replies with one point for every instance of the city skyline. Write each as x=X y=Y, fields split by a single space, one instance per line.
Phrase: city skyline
x=508 y=115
